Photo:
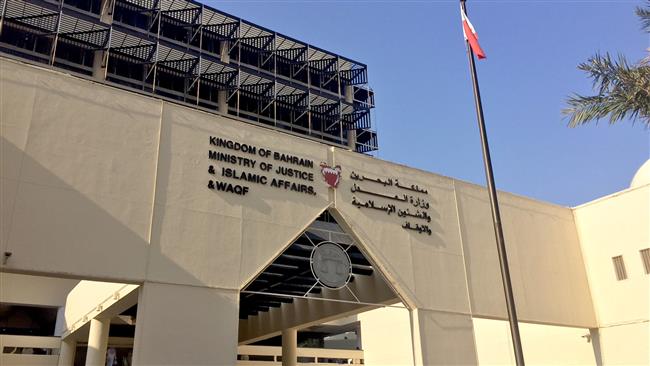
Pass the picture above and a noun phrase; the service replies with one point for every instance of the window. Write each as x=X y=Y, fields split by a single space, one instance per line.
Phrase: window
x=645 y=258
x=619 y=267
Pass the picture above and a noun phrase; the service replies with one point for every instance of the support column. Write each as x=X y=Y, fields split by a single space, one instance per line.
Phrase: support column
x=105 y=16
x=222 y=101
x=349 y=93
x=222 y=95
x=290 y=347
x=224 y=51
x=185 y=325
x=351 y=134
x=99 y=69
x=442 y=338
x=67 y=352
x=97 y=342
x=352 y=140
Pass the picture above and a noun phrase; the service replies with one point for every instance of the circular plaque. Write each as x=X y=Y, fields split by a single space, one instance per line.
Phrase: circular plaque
x=331 y=265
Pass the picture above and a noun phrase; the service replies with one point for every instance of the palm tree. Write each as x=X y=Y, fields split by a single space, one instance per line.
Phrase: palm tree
x=623 y=89
x=644 y=14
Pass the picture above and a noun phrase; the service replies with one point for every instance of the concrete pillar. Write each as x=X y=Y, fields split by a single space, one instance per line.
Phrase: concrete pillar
x=67 y=352
x=349 y=93
x=97 y=342
x=352 y=139
x=106 y=11
x=105 y=16
x=186 y=325
x=222 y=101
x=442 y=338
x=224 y=51
x=99 y=69
x=290 y=347
x=351 y=134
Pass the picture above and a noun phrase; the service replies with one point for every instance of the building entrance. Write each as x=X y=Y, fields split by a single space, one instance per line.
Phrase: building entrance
x=309 y=296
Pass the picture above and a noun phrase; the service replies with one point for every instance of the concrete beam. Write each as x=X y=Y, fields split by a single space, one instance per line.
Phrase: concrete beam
x=305 y=312
x=96 y=300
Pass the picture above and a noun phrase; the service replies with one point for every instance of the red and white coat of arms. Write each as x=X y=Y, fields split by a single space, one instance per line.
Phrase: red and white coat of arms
x=332 y=175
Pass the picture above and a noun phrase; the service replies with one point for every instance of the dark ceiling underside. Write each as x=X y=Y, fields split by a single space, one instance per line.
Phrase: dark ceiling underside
x=290 y=273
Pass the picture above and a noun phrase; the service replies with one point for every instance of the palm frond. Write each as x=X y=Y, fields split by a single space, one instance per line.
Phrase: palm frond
x=623 y=91
x=644 y=14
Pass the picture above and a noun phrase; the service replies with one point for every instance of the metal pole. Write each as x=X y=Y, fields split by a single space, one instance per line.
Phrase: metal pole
x=496 y=215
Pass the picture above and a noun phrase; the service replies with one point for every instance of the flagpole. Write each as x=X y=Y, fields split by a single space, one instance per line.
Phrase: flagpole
x=496 y=215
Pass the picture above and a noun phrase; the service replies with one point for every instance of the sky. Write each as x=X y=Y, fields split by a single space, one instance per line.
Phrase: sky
x=425 y=116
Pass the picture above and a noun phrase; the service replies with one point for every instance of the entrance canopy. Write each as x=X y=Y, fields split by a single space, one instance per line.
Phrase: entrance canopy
x=299 y=289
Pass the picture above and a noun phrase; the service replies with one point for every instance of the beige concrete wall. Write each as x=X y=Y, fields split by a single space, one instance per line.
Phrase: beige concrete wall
x=625 y=344
x=441 y=338
x=546 y=264
x=542 y=344
x=460 y=259
x=196 y=230
x=611 y=226
x=77 y=174
x=170 y=333
x=386 y=337
x=34 y=290
x=419 y=266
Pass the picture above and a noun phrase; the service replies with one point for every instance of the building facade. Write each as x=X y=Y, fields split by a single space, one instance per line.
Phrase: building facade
x=142 y=223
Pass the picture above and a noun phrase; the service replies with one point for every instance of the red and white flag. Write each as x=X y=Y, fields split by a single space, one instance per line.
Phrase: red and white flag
x=471 y=36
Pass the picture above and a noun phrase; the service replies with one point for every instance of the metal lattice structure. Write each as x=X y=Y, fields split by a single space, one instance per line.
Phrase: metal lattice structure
x=191 y=53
